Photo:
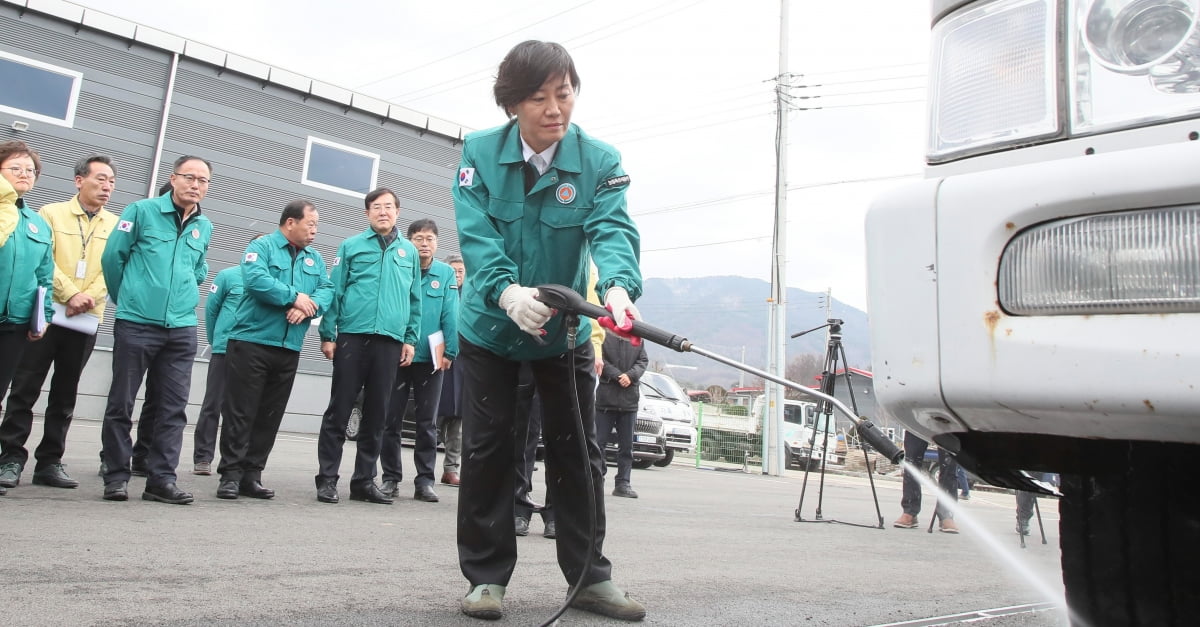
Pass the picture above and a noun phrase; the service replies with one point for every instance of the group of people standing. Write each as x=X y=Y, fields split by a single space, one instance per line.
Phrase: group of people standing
x=535 y=200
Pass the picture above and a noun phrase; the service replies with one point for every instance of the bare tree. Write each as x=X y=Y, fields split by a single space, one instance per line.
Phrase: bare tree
x=804 y=369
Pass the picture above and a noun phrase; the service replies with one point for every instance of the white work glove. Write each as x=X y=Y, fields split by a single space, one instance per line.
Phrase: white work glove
x=521 y=304
x=622 y=312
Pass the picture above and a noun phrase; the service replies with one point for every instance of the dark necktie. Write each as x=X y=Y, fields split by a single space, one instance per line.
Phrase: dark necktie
x=531 y=176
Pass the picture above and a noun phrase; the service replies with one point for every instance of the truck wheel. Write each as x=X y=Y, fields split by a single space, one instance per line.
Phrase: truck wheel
x=789 y=461
x=353 y=423
x=1130 y=537
x=666 y=461
x=642 y=464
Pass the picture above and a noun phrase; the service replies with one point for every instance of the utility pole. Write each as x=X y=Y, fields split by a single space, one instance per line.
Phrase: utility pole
x=777 y=334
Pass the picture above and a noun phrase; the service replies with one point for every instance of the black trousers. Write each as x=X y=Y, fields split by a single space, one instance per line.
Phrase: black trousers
x=487 y=544
x=258 y=382
x=68 y=351
x=364 y=363
x=914 y=449
x=13 y=341
x=164 y=356
x=426 y=388
x=622 y=422
x=527 y=426
x=204 y=440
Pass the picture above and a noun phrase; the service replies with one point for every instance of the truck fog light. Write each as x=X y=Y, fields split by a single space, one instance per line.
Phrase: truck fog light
x=1147 y=37
x=1139 y=262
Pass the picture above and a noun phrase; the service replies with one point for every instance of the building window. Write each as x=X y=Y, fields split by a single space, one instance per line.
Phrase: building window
x=339 y=168
x=37 y=90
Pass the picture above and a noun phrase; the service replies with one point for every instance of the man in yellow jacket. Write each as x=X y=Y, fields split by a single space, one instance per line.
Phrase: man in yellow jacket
x=79 y=228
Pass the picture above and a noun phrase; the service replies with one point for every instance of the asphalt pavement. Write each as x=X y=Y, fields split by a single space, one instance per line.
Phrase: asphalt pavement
x=700 y=547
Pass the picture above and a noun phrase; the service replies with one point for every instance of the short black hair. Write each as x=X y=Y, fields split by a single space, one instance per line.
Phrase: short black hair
x=83 y=167
x=184 y=159
x=526 y=67
x=376 y=194
x=166 y=188
x=424 y=224
x=295 y=211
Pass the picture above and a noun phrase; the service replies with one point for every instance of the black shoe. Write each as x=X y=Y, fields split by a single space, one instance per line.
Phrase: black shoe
x=369 y=493
x=521 y=525
x=167 y=493
x=425 y=493
x=227 y=490
x=549 y=532
x=390 y=488
x=327 y=490
x=137 y=468
x=116 y=491
x=55 y=476
x=255 y=490
x=625 y=491
x=10 y=475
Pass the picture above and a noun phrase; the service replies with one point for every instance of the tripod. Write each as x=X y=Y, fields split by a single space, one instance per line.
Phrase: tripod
x=835 y=353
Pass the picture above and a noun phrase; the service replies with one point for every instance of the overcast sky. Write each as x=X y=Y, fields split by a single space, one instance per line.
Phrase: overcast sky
x=683 y=88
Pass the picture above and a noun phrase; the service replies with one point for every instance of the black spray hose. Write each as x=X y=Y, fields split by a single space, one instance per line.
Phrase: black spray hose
x=572 y=326
x=567 y=300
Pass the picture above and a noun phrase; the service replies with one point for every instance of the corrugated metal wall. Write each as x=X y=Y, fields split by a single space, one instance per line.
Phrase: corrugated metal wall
x=254 y=133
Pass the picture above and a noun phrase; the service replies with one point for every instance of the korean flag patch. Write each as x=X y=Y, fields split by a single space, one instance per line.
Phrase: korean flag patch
x=251 y=257
x=125 y=225
x=466 y=177
x=337 y=260
x=212 y=289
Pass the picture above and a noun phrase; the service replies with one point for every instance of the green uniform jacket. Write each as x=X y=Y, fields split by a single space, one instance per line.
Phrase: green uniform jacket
x=575 y=210
x=153 y=265
x=26 y=259
x=376 y=291
x=272 y=278
x=221 y=307
x=439 y=310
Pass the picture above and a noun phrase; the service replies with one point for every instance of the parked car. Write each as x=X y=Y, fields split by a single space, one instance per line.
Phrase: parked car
x=664 y=398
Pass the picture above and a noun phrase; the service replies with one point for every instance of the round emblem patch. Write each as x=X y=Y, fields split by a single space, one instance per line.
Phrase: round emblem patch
x=308 y=262
x=195 y=233
x=435 y=284
x=565 y=193
x=402 y=252
x=33 y=228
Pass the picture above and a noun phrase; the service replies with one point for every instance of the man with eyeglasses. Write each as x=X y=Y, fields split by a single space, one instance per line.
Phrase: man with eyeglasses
x=154 y=265
x=371 y=327
x=79 y=230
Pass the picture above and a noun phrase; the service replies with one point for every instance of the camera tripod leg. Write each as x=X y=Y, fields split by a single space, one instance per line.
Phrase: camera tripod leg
x=1037 y=510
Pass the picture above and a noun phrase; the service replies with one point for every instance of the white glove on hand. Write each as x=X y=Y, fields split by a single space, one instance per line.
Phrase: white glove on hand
x=521 y=304
x=616 y=300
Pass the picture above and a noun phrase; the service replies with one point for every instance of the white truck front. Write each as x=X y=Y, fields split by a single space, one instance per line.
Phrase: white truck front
x=1035 y=301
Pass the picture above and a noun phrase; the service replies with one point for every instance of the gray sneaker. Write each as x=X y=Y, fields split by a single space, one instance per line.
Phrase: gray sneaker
x=521 y=525
x=10 y=475
x=606 y=599
x=485 y=601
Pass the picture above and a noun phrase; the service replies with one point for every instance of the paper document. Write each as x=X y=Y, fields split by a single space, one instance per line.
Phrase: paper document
x=437 y=348
x=86 y=322
x=39 y=312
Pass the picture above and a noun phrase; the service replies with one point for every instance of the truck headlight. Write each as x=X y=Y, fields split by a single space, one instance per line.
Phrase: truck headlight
x=993 y=78
x=1133 y=62
x=1144 y=261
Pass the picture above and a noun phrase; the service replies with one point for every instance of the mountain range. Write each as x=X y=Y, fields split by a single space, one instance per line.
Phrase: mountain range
x=728 y=316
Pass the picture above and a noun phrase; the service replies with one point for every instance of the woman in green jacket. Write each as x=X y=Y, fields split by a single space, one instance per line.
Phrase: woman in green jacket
x=535 y=198
x=26 y=265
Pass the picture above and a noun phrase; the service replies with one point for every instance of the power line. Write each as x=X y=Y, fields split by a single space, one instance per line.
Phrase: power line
x=474 y=74
x=865 y=104
x=479 y=45
x=722 y=243
x=697 y=127
x=748 y=195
